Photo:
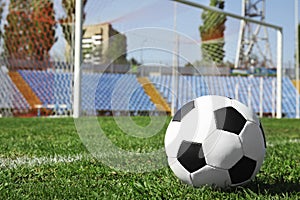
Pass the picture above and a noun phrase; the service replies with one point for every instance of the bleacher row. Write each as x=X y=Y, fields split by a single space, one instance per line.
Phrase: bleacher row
x=190 y=87
x=11 y=98
x=99 y=91
x=117 y=92
x=122 y=92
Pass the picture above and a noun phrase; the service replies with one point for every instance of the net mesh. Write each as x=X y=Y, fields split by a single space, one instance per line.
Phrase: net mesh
x=37 y=50
x=29 y=33
x=35 y=43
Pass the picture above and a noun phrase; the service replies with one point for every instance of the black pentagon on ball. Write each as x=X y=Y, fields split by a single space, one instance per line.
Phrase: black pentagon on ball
x=242 y=170
x=191 y=156
x=183 y=111
x=229 y=119
x=263 y=134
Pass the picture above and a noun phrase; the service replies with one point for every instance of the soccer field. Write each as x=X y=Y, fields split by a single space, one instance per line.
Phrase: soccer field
x=43 y=158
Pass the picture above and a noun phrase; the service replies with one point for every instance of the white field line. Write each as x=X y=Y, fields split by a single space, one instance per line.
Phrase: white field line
x=12 y=163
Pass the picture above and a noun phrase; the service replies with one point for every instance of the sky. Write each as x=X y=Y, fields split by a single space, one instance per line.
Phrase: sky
x=149 y=26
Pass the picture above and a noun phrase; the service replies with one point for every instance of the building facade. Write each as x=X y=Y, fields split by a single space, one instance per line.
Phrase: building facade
x=97 y=43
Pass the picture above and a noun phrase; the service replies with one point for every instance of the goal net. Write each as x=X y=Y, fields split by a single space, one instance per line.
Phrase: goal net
x=215 y=52
x=36 y=57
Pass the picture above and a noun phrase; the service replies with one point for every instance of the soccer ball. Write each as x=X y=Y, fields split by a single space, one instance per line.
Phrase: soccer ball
x=215 y=140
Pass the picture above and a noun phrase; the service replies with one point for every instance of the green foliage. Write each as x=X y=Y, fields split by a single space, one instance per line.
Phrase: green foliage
x=116 y=53
x=212 y=33
x=299 y=41
x=30 y=30
x=2 y=5
x=279 y=177
x=68 y=22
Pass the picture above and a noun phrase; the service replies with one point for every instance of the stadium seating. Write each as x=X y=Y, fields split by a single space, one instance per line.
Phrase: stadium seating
x=110 y=92
x=11 y=96
x=99 y=91
x=105 y=92
x=190 y=87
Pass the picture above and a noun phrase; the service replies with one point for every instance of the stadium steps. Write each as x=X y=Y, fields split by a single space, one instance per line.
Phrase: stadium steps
x=154 y=95
x=294 y=83
x=25 y=89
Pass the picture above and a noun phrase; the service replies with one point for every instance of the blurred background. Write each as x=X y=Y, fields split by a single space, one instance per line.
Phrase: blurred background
x=164 y=53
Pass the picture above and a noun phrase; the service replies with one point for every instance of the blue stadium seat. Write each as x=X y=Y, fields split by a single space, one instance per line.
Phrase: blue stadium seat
x=225 y=85
x=98 y=90
x=13 y=98
x=110 y=91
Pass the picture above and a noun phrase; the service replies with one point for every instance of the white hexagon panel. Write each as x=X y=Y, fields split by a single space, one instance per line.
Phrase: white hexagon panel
x=222 y=149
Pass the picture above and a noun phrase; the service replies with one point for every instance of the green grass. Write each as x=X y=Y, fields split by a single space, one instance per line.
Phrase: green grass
x=88 y=178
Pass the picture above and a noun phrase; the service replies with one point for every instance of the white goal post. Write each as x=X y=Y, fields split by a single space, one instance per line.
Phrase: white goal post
x=77 y=60
x=279 y=52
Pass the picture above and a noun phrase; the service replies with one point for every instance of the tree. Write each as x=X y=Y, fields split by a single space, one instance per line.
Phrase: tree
x=134 y=64
x=2 y=5
x=68 y=23
x=212 y=33
x=188 y=64
x=133 y=61
x=116 y=52
x=299 y=41
x=30 y=30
